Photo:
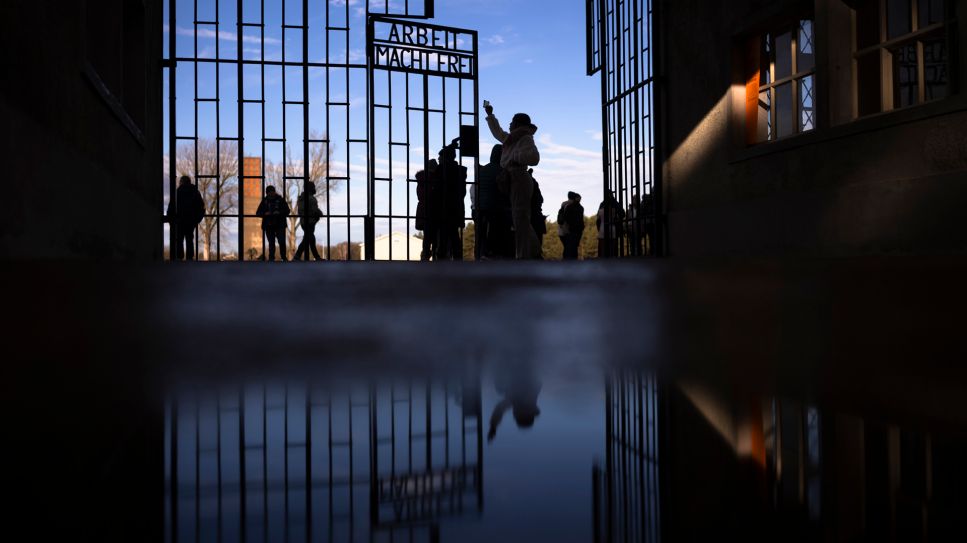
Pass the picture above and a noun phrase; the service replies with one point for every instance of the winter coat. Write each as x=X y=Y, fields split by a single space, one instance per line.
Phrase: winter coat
x=274 y=211
x=520 y=150
x=191 y=207
x=488 y=194
x=309 y=212
x=571 y=219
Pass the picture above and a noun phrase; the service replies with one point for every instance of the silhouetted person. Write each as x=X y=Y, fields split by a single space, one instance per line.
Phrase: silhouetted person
x=452 y=179
x=570 y=225
x=427 y=210
x=635 y=226
x=190 y=211
x=486 y=206
x=519 y=152
x=520 y=388
x=274 y=211
x=648 y=223
x=610 y=217
x=538 y=219
x=309 y=215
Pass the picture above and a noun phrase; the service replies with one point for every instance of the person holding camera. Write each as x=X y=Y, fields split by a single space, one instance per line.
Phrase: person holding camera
x=519 y=154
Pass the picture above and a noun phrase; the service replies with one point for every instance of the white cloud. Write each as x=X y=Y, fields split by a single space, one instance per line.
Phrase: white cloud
x=496 y=39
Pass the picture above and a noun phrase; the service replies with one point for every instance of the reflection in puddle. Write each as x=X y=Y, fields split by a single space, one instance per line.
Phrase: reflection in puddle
x=507 y=457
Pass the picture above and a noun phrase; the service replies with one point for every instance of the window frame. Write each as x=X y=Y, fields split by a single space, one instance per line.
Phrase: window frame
x=885 y=47
x=767 y=55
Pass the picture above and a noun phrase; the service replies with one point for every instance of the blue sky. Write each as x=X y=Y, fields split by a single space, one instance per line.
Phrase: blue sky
x=532 y=60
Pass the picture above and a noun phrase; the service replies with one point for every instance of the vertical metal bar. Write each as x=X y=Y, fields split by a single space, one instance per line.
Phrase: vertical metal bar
x=373 y=459
x=240 y=67
x=285 y=401
x=328 y=149
x=218 y=462
x=197 y=469
x=656 y=126
x=173 y=236
x=308 y=439
x=242 y=485
x=476 y=124
x=370 y=235
x=195 y=82
x=609 y=448
x=218 y=163
x=605 y=124
x=174 y=483
x=426 y=146
x=265 y=458
x=305 y=148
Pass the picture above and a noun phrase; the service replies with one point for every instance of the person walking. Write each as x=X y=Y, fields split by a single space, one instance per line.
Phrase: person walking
x=519 y=153
x=274 y=211
x=309 y=215
x=185 y=212
x=427 y=219
x=570 y=221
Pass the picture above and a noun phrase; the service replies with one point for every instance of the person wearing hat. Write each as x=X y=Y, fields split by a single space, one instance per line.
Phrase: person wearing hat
x=570 y=225
x=274 y=211
x=519 y=153
x=309 y=215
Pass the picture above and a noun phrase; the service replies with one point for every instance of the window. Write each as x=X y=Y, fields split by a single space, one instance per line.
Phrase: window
x=901 y=53
x=783 y=79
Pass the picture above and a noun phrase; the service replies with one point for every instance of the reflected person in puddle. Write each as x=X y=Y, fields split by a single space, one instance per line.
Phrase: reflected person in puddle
x=519 y=387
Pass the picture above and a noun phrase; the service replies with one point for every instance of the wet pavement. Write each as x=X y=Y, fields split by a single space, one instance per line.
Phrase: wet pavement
x=674 y=401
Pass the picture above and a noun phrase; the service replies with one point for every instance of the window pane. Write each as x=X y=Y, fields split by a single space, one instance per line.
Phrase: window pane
x=931 y=12
x=784 y=55
x=764 y=129
x=806 y=58
x=867 y=23
x=898 y=15
x=935 y=68
x=905 y=87
x=765 y=72
x=784 y=110
x=807 y=111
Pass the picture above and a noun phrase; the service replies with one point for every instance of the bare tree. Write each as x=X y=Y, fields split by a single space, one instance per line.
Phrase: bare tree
x=213 y=168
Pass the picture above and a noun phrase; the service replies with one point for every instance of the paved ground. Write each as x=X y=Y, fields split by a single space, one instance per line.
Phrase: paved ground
x=91 y=348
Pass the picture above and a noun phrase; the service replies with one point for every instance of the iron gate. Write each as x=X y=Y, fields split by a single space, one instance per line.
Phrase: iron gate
x=268 y=92
x=621 y=38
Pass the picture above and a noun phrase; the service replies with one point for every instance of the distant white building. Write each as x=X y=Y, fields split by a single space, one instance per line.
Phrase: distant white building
x=399 y=242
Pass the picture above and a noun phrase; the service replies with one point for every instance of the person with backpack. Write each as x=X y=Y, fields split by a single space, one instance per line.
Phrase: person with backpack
x=309 y=215
x=274 y=211
x=570 y=225
x=185 y=212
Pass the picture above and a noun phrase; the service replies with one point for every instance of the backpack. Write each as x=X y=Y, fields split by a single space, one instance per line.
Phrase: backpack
x=561 y=219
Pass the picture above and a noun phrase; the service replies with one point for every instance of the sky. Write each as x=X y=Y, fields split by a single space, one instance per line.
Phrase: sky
x=531 y=59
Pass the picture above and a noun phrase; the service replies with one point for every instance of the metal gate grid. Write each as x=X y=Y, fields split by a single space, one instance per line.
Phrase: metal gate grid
x=278 y=461
x=620 y=45
x=406 y=112
x=256 y=98
x=627 y=501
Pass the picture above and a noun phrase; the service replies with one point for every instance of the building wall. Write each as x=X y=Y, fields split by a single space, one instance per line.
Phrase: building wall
x=892 y=183
x=79 y=183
